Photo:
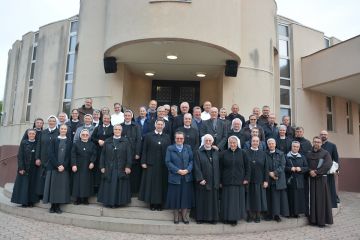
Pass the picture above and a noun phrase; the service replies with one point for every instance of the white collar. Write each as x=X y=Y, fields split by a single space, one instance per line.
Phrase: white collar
x=127 y=123
x=60 y=137
x=116 y=137
x=52 y=129
x=254 y=149
x=187 y=127
x=272 y=151
x=284 y=137
x=106 y=125
x=158 y=132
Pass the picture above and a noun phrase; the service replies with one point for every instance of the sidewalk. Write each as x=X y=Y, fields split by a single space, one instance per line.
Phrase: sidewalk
x=346 y=227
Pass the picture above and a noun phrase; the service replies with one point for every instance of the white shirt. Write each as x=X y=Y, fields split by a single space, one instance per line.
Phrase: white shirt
x=205 y=115
x=117 y=118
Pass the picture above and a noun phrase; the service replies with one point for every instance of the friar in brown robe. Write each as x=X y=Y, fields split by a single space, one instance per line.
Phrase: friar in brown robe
x=320 y=202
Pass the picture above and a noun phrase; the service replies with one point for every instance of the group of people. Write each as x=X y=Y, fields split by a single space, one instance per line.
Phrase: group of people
x=210 y=165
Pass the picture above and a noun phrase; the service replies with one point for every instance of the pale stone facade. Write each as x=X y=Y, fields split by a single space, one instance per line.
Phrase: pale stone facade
x=204 y=34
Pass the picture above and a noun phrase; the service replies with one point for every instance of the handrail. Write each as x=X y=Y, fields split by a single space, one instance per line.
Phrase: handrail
x=2 y=160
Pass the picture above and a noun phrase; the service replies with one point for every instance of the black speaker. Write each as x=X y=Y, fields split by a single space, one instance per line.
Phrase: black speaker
x=231 y=68
x=110 y=65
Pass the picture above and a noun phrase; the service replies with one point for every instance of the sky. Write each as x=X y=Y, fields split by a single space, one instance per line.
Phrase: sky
x=336 y=18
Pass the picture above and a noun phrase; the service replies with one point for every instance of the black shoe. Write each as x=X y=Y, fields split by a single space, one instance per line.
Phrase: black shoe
x=30 y=205
x=249 y=219
x=213 y=222
x=233 y=223
x=24 y=205
x=85 y=201
x=199 y=222
x=337 y=199
x=296 y=216
x=152 y=207
x=52 y=210
x=277 y=218
x=321 y=226
x=268 y=218
x=58 y=210
x=257 y=219
x=77 y=202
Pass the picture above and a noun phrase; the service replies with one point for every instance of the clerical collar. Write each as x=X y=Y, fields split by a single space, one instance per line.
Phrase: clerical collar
x=61 y=137
x=187 y=127
x=106 y=125
x=158 y=132
x=207 y=148
x=292 y=153
x=236 y=130
x=222 y=118
x=84 y=140
x=74 y=120
x=94 y=121
x=115 y=137
x=52 y=129
x=254 y=149
x=282 y=137
x=31 y=140
x=127 y=123
x=272 y=151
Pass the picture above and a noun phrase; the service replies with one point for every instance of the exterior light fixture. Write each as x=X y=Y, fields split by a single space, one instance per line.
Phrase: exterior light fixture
x=149 y=73
x=201 y=74
x=171 y=57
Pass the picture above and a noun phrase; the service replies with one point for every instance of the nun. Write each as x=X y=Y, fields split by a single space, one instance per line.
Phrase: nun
x=207 y=177
x=235 y=175
x=132 y=132
x=259 y=180
x=87 y=125
x=47 y=137
x=191 y=134
x=277 y=200
x=74 y=122
x=24 y=188
x=57 y=182
x=154 y=179
x=83 y=156
x=115 y=166
x=235 y=130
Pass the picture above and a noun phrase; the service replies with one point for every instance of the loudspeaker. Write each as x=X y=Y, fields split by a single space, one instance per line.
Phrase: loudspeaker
x=110 y=65
x=231 y=68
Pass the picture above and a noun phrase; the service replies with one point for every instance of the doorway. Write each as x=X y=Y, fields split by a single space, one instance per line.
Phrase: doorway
x=175 y=92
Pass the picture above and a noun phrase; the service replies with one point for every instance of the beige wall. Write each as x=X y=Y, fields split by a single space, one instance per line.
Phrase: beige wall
x=203 y=20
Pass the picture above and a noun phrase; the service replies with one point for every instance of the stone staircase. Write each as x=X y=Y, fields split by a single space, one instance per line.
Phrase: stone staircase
x=135 y=218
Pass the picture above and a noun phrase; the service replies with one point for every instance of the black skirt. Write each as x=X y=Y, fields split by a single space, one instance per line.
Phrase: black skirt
x=180 y=196
x=233 y=203
x=57 y=187
x=115 y=191
x=296 y=201
x=256 y=198
x=25 y=188
x=207 y=204
x=277 y=202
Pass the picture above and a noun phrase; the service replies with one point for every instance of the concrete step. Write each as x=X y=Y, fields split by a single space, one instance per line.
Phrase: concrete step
x=136 y=219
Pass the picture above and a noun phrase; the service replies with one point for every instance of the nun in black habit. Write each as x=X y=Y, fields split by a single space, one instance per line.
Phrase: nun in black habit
x=191 y=134
x=24 y=189
x=57 y=182
x=100 y=134
x=115 y=165
x=42 y=152
x=277 y=200
x=132 y=132
x=153 y=187
x=295 y=168
x=83 y=156
x=207 y=177
x=259 y=180
x=235 y=174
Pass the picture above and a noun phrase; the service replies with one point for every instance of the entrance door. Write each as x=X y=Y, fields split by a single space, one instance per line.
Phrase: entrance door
x=176 y=92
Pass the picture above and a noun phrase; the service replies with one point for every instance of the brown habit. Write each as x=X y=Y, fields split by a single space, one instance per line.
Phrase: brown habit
x=320 y=201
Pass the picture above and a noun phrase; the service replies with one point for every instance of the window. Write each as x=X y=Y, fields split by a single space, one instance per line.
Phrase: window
x=32 y=75
x=329 y=113
x=349 y=120
x=70 y=66
x=285 y=70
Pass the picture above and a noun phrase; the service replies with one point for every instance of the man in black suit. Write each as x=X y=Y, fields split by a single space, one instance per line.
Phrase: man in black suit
x=215 y=128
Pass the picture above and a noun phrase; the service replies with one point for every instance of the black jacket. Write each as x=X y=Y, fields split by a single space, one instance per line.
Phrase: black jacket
x=259 y=167
x=207 y=168
x=53 y=155
x=277 y=165
x=296 y=161
x=234 y=167
x=219 y=134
